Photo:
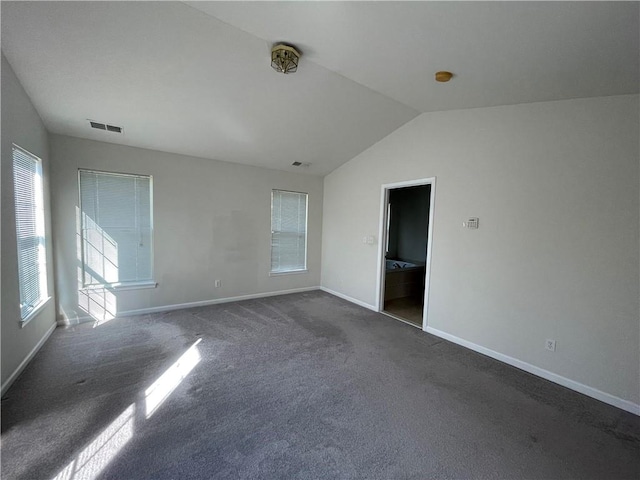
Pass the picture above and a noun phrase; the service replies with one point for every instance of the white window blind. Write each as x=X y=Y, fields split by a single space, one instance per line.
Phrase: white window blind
x=288 y=231
x=117 y=229
x=29 y=205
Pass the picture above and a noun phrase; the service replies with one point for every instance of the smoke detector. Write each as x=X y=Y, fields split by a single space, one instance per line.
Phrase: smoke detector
x=443 y=76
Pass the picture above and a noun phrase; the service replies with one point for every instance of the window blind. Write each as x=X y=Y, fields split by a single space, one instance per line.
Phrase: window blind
x=288 y=231
x=29 y=207
x=116 y=226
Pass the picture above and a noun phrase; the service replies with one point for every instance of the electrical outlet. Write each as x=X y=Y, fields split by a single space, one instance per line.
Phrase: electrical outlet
x=550 y=344
x=218 y=283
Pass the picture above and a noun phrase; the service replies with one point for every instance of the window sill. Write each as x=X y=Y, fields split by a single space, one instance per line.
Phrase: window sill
x=35 y=312
x=120 y=286
x=290 y=272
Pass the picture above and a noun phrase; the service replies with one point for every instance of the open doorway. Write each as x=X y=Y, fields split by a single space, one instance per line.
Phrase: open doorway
x=406 y=219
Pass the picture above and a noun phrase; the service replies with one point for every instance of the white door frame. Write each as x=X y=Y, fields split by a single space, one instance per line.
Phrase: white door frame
x=383 y=241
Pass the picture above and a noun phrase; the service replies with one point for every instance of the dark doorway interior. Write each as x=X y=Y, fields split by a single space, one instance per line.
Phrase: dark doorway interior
x=406 y=252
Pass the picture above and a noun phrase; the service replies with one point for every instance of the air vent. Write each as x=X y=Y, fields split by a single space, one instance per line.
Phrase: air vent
x=300 y=164
x=104 y=126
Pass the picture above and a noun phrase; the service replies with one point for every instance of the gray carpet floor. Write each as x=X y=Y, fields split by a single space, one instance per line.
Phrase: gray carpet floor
x=295 y=386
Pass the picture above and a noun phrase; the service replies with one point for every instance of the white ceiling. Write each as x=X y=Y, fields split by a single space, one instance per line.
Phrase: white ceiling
x=501 y=52
x=197 y=81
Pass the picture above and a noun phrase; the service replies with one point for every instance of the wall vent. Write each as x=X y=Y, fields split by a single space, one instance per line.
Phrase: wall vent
x=104 y=126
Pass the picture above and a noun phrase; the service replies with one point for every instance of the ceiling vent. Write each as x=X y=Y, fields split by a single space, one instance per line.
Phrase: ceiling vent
x=104 y=126
x=300 y=164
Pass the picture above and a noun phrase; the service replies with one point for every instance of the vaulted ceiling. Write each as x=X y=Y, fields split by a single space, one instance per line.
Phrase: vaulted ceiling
x=194 y=78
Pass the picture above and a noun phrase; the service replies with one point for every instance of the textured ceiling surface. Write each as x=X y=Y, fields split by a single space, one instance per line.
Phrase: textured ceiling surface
x=194 y=78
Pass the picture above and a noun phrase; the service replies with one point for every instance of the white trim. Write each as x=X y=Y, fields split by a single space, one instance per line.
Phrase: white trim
x=35 y=312
x=289 y=272
x=540 y=372
x=215 y=301
x=16 y=373
x=384 y=201
x=180 y=306
x=382 y=245
x=119 y=287
x=350 y=299
x=427 y=278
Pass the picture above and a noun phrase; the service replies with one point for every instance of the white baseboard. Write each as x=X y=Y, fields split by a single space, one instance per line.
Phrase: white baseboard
x=180 y=306
x=349 y=299
x=27 y=359
x=540 y=372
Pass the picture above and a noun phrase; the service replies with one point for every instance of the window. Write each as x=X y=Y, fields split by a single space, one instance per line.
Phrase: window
x=288 y=231
x=116 y=229
x=32 y=256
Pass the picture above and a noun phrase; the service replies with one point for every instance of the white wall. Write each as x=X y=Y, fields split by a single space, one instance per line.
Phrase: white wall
x=556 y=188
x=21 y=125
x=211 y=221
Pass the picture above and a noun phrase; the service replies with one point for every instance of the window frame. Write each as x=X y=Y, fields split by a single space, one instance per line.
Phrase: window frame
x=41 y=233
x=273 y=273
x=128 y=285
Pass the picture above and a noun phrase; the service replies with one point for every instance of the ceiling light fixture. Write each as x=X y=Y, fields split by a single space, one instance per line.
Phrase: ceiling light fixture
x=284 y=58
x=443 y=76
